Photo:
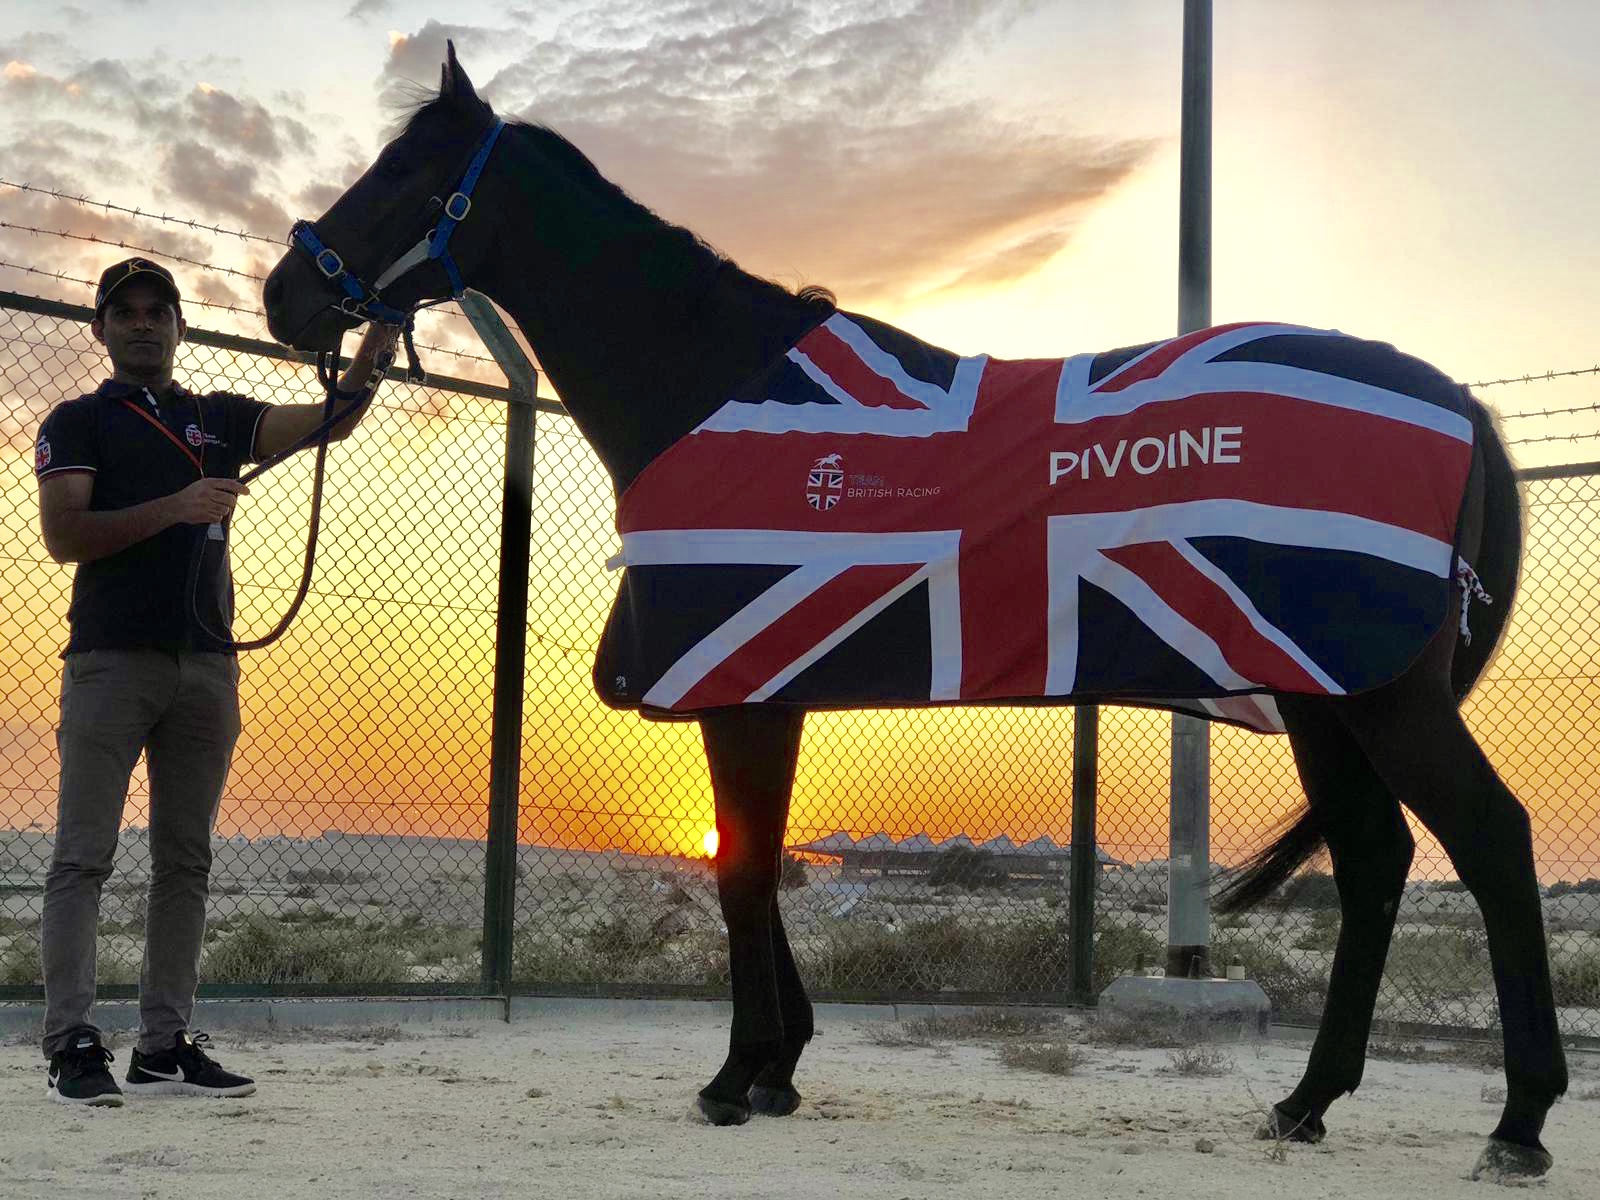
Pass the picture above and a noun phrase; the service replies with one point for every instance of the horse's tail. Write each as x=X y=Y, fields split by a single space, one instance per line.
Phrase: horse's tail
x=1498 y=565
x=1268 y=869
x=1499 y=557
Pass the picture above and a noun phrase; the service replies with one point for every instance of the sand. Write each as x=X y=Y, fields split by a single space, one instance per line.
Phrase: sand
x=594 y=1104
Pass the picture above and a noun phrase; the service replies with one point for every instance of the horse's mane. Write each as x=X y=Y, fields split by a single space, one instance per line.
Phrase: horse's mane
x=583 y=171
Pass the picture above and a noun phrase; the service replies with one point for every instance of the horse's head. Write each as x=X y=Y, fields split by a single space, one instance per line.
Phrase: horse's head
x=377 y=253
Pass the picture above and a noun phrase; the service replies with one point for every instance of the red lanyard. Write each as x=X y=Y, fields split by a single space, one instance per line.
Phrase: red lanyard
x=169 y=435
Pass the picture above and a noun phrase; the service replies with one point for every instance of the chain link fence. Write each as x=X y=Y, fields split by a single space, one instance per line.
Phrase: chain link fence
x=930 y=850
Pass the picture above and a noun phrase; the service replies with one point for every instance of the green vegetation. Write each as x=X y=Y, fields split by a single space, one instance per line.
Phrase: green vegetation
x=1323 y=934
x=1291 y=987
x=20 y=966
x=1587 y=887
x=793 y=873
x=1575 y=978
x=1122 y=949
x=1439 y=965
x=622 y=949
x=320 y=947
x=1200 y=1059
x=1051 y=1058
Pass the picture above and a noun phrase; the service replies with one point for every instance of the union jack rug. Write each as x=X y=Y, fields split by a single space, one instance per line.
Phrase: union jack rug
x=1191 y=524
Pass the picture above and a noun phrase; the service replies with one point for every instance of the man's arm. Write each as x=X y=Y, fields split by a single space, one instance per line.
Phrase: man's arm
x=284 y=424
x=74 y=534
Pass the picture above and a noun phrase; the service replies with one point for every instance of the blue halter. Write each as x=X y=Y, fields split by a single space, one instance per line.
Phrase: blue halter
x=361 y=299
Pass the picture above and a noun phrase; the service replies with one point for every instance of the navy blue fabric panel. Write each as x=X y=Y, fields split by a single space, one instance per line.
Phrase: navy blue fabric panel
x=1108 y=362
x=663 y=612
x=919 y=360
x=889 y=659
x=781 y=383
x=1117 y=653
x=1361 y=619
x=1375 y=363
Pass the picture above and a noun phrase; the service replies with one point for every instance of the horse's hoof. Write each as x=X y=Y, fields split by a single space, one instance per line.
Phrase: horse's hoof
x=1281 y=1127
x=722 y=1112
x=774 y=1101
x=1511 y=1162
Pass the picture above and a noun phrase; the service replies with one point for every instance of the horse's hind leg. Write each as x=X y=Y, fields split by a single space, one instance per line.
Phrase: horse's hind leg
x=1418 y=743
x=1371 y=849
x=752 y=753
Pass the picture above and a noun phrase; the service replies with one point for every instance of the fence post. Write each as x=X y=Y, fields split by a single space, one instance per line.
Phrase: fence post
x=1085 y=863
x=510 y=644
x=1189 y=843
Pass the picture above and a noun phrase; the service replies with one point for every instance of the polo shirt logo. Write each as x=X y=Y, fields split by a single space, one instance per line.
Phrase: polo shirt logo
x=198 y=437
x=41 y=455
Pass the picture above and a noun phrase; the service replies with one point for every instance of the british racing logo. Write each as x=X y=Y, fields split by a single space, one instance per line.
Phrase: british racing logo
x=41 y=455
x=825 y=482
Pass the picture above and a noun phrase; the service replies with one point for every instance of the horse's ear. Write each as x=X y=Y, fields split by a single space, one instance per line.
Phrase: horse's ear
x=453 y=81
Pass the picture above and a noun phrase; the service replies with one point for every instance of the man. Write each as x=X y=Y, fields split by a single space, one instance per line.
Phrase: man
x=129 y=477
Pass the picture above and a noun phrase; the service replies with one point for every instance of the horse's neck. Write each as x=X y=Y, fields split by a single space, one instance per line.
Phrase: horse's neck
x=640 y=356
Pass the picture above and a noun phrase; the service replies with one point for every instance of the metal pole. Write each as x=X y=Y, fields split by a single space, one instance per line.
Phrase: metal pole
x=1085 y=851
x=1189 y=851
x=510 y=644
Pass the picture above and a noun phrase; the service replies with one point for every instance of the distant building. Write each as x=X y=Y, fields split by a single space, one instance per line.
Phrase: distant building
x=879 y=854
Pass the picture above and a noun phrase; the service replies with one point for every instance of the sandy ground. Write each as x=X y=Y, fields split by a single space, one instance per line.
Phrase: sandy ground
x=599 y=1105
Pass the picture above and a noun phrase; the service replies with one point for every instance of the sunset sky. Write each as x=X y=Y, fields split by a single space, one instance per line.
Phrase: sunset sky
x=993 y=176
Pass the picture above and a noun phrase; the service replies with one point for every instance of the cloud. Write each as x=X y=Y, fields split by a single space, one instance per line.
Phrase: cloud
x=230 y=187
x=245 y=125
x=362 y=9
x=818 y=142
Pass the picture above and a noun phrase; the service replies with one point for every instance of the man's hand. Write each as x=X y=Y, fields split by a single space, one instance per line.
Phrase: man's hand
x=72 y=533
x=205 y=501
x=376 y=338
x=285 y=424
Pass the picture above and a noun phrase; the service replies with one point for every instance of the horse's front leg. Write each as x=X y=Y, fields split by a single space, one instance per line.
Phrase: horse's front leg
x=752 y=753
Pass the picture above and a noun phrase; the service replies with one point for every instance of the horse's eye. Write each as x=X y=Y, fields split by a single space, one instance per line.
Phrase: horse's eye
x=393 y=168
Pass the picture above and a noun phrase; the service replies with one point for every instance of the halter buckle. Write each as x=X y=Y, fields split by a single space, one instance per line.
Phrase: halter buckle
x=352 y=307
x=324 y=257
x=451 y=207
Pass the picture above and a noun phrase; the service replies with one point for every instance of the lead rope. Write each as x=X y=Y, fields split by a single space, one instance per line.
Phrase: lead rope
x=327 y=374
x=1471 y=589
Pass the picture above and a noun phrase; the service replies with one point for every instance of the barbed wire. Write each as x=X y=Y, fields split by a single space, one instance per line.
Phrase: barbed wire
x=234 y=308
x=1552 y=412
x=124 y=245
x=239 y=233
x=1595 y=370
x=1553 y=437
x=140 y=213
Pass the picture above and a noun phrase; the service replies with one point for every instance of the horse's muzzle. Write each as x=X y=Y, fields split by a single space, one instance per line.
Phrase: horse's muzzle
x=301 y=307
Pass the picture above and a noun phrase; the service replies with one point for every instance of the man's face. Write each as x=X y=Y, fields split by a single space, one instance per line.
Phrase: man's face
x=141 y=329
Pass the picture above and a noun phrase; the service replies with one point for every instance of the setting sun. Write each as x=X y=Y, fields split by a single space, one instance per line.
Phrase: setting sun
x=710 y=843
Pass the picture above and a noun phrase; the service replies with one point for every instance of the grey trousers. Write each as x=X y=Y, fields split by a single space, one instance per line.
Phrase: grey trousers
x=182 y=710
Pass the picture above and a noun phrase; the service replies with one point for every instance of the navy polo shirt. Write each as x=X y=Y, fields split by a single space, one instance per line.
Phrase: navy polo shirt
x=140 y=446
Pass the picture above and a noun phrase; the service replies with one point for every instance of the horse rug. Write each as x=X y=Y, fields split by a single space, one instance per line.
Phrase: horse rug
x=1193 y=524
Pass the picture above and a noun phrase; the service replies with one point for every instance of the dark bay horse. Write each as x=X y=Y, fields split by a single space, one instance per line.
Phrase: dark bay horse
x=645 y=331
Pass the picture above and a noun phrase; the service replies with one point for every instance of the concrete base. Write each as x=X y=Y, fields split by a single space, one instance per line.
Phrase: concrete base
x=1234 y=1007
x=22 y=1022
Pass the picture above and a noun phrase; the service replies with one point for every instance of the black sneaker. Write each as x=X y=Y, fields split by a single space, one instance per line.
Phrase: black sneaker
x=185 y=1070
x=78 y=1073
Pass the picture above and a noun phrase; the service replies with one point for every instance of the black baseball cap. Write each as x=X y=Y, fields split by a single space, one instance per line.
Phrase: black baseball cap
x=114 y=277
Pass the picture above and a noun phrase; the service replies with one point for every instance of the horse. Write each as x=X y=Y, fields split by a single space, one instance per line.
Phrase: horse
x=645 y=331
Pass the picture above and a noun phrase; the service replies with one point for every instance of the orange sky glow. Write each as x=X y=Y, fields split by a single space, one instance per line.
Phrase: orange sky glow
x=1411 y=178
